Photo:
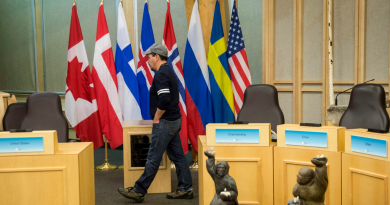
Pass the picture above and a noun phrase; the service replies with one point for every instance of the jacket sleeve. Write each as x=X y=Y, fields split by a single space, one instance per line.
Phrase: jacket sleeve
x=162 y=84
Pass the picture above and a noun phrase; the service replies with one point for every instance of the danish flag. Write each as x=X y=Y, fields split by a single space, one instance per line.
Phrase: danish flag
x=169 y=41
x=80 y=101
x=106 y=84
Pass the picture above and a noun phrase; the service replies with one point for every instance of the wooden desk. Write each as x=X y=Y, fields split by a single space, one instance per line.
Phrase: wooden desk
x=65 y=178
x=162 y=181
x=365 y=177
x=251 y=166
x=3 y=106
x=289 y=159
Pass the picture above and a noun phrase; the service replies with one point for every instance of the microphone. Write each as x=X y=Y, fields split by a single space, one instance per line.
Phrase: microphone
x=335 y=100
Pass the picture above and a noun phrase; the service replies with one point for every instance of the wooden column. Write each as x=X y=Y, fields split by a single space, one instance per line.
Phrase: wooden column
x=189 y=4
x=268 y=41
x=297 y=61
x=39 y=48
x=128 y=8
x=362 y=17
x=206 y=12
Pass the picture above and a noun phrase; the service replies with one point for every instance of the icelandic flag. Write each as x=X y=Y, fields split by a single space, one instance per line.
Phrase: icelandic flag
x=169 y=41
x=199 y=105
x=144 y=73
x=126 y=72
x=220 y=80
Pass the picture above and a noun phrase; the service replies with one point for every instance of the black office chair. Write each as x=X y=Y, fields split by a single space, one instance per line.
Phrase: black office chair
x=44 y=112
x=14 y=115
x=366 y=108
x=261 y=105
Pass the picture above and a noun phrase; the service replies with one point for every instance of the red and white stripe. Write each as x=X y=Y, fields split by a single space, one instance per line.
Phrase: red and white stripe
x=143 y=66
x=241 y=78
x=80 y=101
x=177 y=67
x=106 y=84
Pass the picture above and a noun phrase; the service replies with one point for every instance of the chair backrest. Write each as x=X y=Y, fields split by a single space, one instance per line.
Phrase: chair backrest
x=14 y=116
x=44 y=112
x=261 y=105
x=366 y=108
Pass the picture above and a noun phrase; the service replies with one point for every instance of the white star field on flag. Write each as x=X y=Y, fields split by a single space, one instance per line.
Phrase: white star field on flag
x=235 y=43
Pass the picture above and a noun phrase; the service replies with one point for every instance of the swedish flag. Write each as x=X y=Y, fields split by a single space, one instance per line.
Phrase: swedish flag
x=220 y=80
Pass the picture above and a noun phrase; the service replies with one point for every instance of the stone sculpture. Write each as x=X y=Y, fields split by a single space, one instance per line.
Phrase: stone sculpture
x=312 y=185
x=225 y=187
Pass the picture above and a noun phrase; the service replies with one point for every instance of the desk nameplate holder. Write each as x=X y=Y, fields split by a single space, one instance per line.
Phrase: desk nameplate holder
x=327 y=138
x=252 y=134
x=306 y=138
x=367 y=144
x=28 y=143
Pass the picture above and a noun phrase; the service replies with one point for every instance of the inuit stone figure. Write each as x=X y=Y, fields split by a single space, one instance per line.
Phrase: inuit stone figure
x=312 y=184
x=225 y=187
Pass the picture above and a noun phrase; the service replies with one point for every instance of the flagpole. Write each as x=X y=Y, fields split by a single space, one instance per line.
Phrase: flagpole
x=121 y=167
x=105 y=165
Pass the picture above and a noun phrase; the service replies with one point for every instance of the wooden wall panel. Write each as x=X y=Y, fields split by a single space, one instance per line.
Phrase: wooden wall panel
x=283 y=40
x=312 y=40
x=344 y=40
x=377 y=40
x=358 y=55
x=286 y=104
x=312 y=109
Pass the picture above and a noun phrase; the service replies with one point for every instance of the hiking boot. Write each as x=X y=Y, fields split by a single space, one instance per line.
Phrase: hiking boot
x=130 y=193
x=180 y=194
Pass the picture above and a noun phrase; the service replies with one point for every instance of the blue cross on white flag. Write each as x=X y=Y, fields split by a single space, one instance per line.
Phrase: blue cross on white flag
x=126 y=72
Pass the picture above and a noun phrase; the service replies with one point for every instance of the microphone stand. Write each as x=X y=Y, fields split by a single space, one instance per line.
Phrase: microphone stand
x=335 y=101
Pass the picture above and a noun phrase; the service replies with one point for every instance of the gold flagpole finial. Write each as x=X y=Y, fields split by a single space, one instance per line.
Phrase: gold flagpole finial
x=74 y=1
x=102 y=1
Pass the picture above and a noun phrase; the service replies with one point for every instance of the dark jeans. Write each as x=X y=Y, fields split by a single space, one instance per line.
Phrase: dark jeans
x=165 y=137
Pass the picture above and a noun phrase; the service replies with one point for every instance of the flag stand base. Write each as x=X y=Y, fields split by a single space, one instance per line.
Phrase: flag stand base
x=120 y=167
x=195 y=165
x=106 y=166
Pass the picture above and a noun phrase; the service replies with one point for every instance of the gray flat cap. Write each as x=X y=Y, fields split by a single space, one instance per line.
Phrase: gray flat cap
x=158 y=49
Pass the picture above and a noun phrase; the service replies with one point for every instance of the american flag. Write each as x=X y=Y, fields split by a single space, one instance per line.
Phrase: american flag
x=238 y=62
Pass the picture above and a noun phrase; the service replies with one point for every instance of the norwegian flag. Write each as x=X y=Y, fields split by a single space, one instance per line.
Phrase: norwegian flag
x=80 y=101
x=144 y=74
x=106 y=84
x=169 y=41
x=238 y=62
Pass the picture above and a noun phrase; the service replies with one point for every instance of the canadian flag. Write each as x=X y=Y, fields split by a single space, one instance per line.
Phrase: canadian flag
x=80 y=102
x=106 y=84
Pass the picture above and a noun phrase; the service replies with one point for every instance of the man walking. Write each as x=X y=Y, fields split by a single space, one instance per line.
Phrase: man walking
x=165 y=112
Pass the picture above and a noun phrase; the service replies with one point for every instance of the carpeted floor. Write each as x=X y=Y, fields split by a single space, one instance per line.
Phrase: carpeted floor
x=107 y=183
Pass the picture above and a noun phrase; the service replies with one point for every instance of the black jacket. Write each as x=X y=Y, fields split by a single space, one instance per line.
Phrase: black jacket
x=164 y=94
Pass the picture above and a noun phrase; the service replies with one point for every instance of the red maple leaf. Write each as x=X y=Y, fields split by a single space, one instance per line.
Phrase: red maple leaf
x=79 y=82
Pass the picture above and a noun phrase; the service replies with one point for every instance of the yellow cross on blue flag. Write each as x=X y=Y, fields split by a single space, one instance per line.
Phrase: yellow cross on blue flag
x=220 y=79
